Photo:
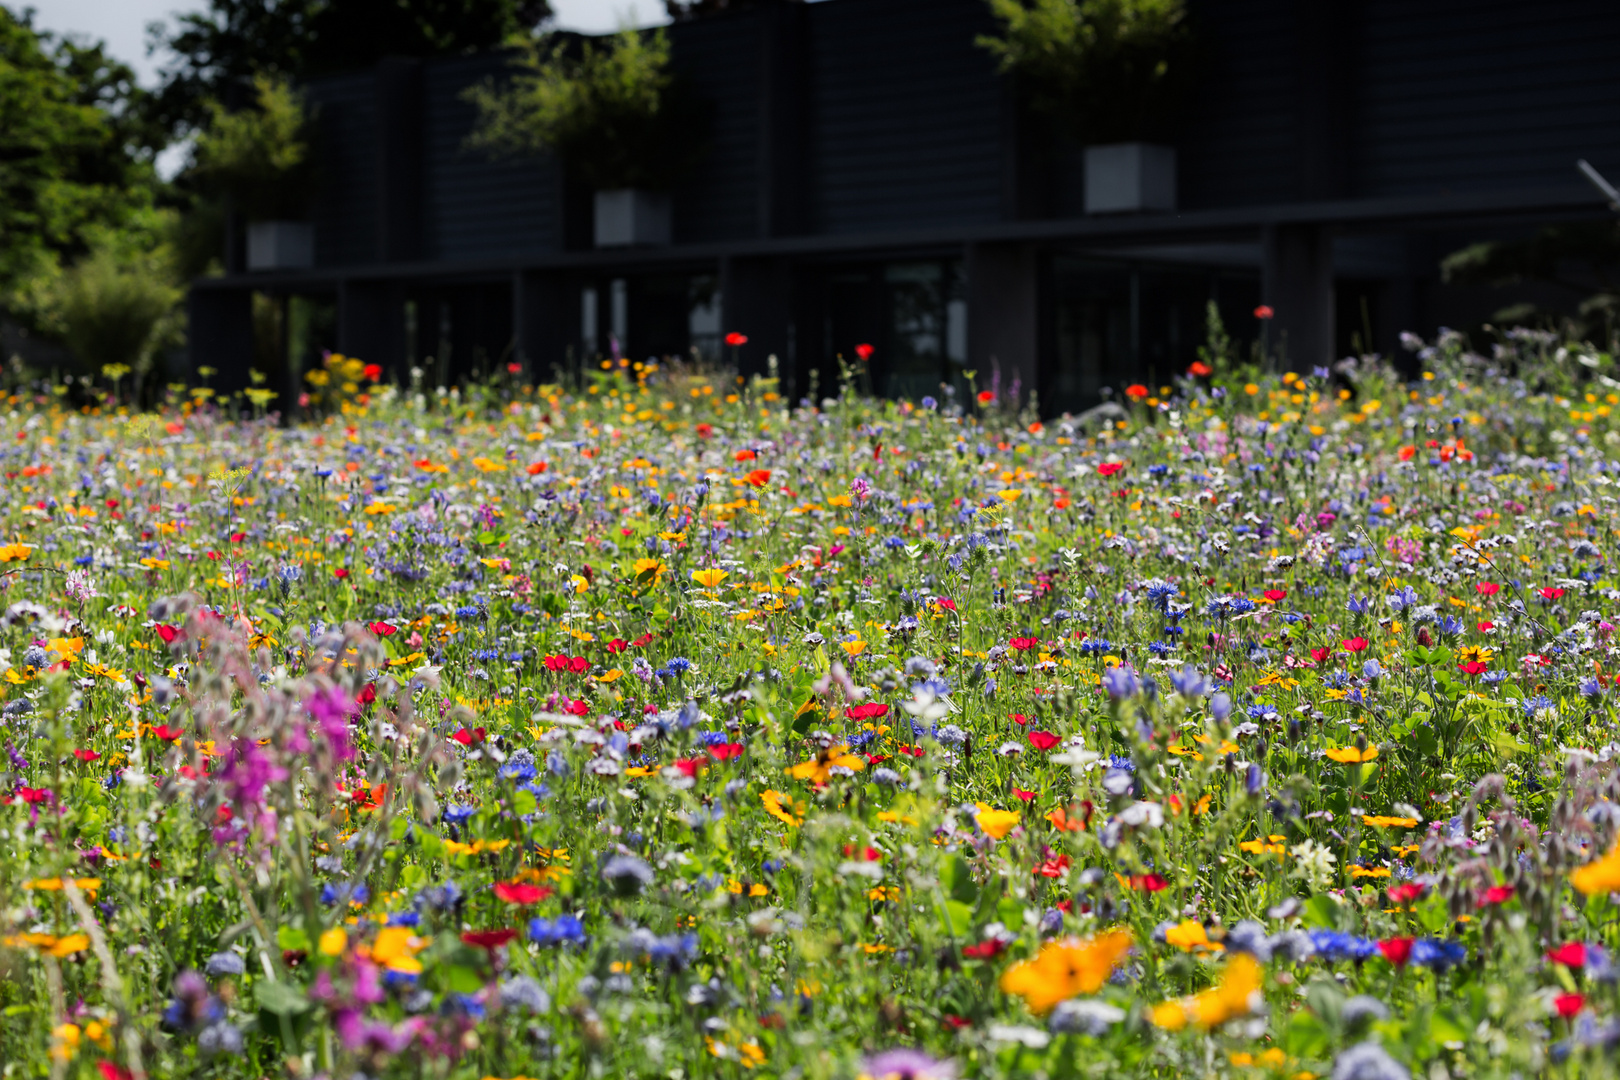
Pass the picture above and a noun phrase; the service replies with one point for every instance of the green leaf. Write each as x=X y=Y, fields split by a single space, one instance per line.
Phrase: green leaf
x=1321 y=910
x=524 y=803
x=486 y=538
x=292 y=939
x=282 y=999
x=462 y=979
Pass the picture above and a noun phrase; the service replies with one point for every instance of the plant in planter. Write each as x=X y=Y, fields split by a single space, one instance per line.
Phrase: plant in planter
x=613 y=114
x=258 y=162
x=1111 y=74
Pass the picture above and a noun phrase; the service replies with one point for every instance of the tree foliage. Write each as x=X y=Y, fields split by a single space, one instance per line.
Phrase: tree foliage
x=74 y=155
x=216 y=53
x=1106 y=70
x=609 y=111
x=259 y=157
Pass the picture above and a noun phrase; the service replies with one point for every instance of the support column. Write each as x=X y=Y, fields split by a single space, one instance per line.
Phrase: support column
x=756 y=299
x=219 y=334
x=1296 y=281
x=1003 y=316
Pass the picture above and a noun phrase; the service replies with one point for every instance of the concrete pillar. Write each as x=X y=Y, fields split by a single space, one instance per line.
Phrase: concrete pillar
x=1296 y=282
x=1003 y=297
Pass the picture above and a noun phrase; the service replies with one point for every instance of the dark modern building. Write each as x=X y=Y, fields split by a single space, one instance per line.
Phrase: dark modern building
x=869 y=178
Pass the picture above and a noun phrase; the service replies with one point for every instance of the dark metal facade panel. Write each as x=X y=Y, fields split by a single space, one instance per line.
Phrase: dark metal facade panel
x=718 y=61
x=1467 y=95
x=478 y=206
x=1239 y=145
x=905 y=115
x=344 y=212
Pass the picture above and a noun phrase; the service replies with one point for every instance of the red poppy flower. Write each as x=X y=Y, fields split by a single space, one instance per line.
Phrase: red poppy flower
x=1572 y=954
x=1020 y=793
x=371 y=372
x=759 y=477
x=1274 y=595
x=744 y=455
x=734 y=339
x=866 y=854
x=1020 y=719
x=340 y=573
x=382 y=629
x=367 y=695
x=1024 y=644
x=954 y=1022
x=1568 y=1004
x=467 y=737
x=910 y=751
x=986 y=397
x=1550 y=592
x=167 y=633
x=946 y=602
x=1109 y=468
x=1320 y=655
x=1136 y=391
x=617 y=645
x=578 y=665
x=870 y=711
x=577 y=708
x=1487 y=588
x=690 y=766
x=1053 y=868
x=1396 y=950
x=167 y=733
x=864 y=351
x=1405 y=893
x=1147 y=882
x=1473 y=667
x=1485 y=626
x=640 y=641
x=535 y=468
x=112 y=1071
x=1496 y=894
x=726 y=751
x=516 y=892
x=1407 y=453
x=984 y=950
x=488 y=939
x=1043 y=740
x=86 y=755
x=1200 y=369
x=1354 y=645
x=705 y=430
x=1264 y=312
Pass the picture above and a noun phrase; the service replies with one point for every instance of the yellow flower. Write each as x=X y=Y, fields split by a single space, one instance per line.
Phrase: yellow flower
x=484 y=464
x=1232 y=997
x=818 y=770
x=781 y=807
x=1378 y=821
x=1187 y=936
x=334 y=941
x=1369 y=871
x=396 y=948
x=15 y=552
x=377 y=508
x=1271 y=845
x=1599 y=876
x=86 y=885
x=1064 y=969
x=1349 y=755
x=996 y=823
x=854 y=648
x=59 y=947
x=1009 y=494
x=649 y=569
x=709 y=578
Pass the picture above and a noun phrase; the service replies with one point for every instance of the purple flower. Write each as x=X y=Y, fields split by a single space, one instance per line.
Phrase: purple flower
x=331 y=709
x=907 y=1065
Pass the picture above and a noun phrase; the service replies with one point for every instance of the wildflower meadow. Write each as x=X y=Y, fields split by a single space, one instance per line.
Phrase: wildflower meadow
x=654 y=725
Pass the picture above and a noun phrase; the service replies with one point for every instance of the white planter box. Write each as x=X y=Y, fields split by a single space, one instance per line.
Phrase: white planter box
x=280 y=245
x=631 y=217
x=1130 y=178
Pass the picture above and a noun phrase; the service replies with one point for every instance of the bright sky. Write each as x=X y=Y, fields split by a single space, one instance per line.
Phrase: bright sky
x=122 y=23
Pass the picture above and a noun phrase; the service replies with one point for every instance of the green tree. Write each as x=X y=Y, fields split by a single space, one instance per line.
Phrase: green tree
x=609 y=111
x=258 y=157
x=1106 y=70
x=74 y=155
x=214 y=54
